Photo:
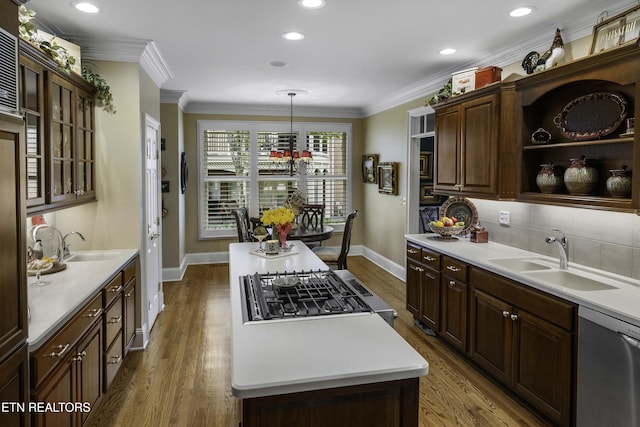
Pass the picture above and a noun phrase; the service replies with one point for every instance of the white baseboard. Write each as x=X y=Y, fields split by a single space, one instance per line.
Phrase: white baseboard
x=176 y=274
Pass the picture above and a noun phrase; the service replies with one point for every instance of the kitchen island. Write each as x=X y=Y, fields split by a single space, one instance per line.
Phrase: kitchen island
x=345 y=369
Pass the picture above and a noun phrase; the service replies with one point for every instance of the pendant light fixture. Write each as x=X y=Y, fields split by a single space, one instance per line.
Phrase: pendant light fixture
x=291 y=159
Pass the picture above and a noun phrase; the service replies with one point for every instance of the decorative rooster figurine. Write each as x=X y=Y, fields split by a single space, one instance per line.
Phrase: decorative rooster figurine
x=536 y=62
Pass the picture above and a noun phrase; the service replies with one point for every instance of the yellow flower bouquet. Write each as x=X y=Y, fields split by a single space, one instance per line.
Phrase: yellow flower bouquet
x=281 y=218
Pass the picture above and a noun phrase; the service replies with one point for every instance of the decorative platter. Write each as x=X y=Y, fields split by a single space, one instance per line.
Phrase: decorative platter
x=592 y=116
x=463 y=210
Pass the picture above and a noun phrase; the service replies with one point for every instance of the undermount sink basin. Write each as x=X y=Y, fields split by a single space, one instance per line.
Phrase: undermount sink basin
x=519 y=264
x=92 y=256
x=570 y=280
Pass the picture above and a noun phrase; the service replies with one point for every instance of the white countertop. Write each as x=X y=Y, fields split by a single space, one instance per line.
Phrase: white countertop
x=622 y=302
x=293 y=355
x=56 y=303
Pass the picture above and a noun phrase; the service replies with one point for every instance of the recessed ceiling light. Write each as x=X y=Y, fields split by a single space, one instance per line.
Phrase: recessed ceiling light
x=447 y=51
x=293 y=35
x=85 y=7
x=311 y=4
x=521 y=11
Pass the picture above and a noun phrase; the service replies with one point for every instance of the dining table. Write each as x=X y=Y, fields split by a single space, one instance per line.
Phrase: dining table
x=311 y=234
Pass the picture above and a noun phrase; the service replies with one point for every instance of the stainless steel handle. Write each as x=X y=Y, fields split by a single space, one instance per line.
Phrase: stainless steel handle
x=429 y=258
x=451 y=283
x=115 y=360
x=514 y=317
x=128 y=295
x=94 y=313
x=115 y=289
x=454 y=269
x=115 y=320
x=631 y=341
x=154 y=236
x=62 y=349
x=412 y=251
x=418 y=269
x=505 y=313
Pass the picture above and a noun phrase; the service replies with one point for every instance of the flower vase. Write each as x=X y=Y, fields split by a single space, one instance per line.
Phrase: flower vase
x=283 y=238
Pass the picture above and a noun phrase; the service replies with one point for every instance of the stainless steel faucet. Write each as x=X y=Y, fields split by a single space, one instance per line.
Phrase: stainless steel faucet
x=65 y=247
x=563 y=243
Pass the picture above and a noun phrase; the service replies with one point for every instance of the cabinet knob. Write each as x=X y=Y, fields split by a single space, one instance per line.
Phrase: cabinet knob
x=79 y=356
x=514 y=317
x=452 y=283
x=115 y=289
x=115 y=320
x=412 y=251
x=505 y=313
x=115 y=360
x=452 y=268
x=429 y=258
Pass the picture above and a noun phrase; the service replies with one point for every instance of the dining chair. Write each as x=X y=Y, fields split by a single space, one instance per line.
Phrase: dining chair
x=333 y=257
x=242 y=224
x=311 y=216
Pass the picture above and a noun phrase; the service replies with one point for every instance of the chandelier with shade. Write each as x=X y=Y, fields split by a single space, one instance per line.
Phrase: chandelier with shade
x=289 y=159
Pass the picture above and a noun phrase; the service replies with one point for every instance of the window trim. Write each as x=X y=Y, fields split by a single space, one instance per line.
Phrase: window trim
x=261 y=126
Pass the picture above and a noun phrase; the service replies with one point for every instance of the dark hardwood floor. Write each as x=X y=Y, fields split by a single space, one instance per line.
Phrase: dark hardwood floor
x=183 y=377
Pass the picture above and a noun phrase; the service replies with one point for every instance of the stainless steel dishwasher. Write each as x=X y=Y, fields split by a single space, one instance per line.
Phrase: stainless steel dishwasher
x=608 y=371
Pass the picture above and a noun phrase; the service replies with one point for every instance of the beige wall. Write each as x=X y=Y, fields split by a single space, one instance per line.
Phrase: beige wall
x=114 y=220
x=173 y=201
x=192 y=243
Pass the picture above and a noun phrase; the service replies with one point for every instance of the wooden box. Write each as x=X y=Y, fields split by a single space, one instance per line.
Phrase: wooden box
x=487 y=75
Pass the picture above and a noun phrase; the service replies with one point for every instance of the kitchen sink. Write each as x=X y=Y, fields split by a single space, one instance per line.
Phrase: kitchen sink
x=92 y=256
x=519 y=264
x=570 y=280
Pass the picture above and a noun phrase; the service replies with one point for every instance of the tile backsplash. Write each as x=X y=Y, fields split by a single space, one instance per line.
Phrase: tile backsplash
x=605 y=240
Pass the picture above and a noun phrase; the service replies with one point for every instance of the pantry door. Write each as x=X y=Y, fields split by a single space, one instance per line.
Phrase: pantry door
x=153 y=227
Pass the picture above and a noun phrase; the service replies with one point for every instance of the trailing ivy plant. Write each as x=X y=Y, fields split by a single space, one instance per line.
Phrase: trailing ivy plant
x=104 y=98
x=29 y=32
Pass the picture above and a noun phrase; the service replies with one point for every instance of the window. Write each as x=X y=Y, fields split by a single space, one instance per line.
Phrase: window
x=236 y=170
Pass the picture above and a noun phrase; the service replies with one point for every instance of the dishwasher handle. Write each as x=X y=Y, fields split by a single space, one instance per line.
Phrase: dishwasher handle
x=631 y=341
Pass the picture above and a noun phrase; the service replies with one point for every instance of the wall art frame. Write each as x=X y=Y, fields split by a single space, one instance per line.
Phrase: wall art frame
x=426 y=165
x=370 y=168
x=388 y=178
x=616 y=31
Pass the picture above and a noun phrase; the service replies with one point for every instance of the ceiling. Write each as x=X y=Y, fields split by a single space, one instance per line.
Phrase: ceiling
x=359 y=57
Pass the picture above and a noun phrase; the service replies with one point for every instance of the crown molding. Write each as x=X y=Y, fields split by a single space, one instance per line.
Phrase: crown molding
x=155 y=65
x=179 y=97
x=198 y=107
x=573 y=27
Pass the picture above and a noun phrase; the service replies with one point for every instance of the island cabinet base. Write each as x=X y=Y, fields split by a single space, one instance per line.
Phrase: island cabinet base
x=385 y=404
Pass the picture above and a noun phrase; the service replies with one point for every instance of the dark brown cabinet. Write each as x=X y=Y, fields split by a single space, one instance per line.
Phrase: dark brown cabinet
x=423 y=285
x=544 y=96
x=129 y=301
x=13 y=281
x=60 y=123
x=526 y=340
x=469 y=147
x=454 y=302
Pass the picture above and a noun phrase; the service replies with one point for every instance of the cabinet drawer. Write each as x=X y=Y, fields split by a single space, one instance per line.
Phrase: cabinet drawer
x=112 y=290
x=414 y=252
x=113 y=321
x=430 y=259
x=454 y=268
x=57 y=348
x=129 y=272
x=112 y=361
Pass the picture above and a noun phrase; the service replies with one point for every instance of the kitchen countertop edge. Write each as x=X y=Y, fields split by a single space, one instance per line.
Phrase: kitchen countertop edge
x=92 y=276
x=620 y=303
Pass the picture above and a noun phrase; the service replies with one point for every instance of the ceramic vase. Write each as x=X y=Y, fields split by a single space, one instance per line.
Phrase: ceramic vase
x=580 y=178
x=549 y=179
x=619 y=183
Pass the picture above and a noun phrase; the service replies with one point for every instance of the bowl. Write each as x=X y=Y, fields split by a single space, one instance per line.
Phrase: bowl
x=447 y=233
